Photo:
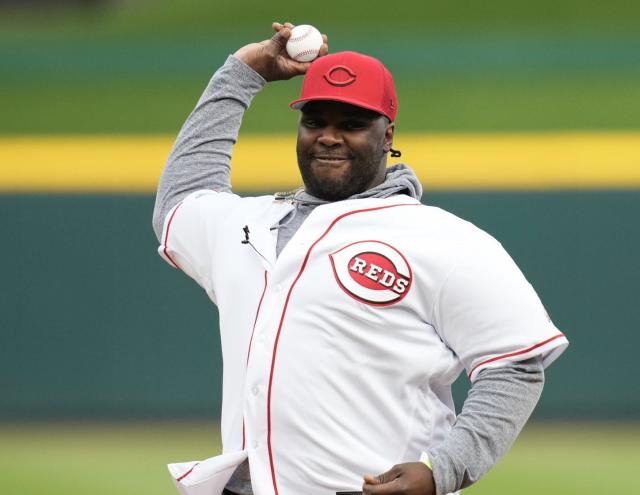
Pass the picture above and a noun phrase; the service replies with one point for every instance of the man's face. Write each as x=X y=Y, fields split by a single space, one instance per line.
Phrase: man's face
x=341 y=149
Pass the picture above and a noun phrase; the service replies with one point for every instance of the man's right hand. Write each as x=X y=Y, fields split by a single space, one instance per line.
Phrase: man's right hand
x=269 y=58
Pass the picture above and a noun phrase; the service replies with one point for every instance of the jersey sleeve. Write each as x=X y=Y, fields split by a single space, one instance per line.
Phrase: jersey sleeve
x=190 y=232
x=489 y=314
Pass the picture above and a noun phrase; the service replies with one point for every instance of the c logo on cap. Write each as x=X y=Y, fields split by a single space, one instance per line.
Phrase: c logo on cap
x=340 y=75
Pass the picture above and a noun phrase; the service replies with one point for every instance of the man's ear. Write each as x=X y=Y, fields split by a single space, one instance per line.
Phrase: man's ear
x=388 y=136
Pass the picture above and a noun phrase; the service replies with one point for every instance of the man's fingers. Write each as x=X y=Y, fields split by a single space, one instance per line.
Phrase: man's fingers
x=298 y=67
x=278 y=26
x=390 y=475
x=324 y=49
x=282 y=33
x=383 y=484
x=410 y=477
x=281 y=37
x=391 y=488
x=369 y=479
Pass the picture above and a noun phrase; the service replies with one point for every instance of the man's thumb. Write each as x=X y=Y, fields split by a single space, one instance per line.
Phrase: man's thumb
x=281 y=37
x=369 y=479
x=388 y=476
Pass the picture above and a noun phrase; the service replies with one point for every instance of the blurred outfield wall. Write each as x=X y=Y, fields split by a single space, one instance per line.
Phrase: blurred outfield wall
x=522 y=119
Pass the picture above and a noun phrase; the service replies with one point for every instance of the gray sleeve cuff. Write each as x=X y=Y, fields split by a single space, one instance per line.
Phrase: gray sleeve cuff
x=235 y=80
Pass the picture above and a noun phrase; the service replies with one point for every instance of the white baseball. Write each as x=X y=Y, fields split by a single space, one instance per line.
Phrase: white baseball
x=305 y=43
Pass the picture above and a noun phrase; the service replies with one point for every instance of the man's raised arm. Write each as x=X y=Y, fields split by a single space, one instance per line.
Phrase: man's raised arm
x=201 y=155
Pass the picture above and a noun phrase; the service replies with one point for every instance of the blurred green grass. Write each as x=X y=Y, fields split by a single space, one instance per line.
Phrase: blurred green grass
x=139 y=67
x=103 y=459
x=436 y=105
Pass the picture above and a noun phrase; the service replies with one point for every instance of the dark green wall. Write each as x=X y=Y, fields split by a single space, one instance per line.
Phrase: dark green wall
x=94 y=324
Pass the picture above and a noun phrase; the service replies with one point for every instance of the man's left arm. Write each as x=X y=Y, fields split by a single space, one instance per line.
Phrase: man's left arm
x=498 y=406
x=489 y=315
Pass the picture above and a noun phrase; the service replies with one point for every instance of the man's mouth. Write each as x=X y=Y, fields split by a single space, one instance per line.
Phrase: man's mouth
x=331 y=159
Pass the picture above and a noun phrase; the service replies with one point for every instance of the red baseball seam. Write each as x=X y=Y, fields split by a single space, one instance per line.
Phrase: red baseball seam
x=306 y=52
x=517 y=353
x=301 y=36
x=284 y=311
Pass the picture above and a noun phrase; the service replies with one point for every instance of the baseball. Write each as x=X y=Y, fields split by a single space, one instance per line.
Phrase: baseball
x=304 y=44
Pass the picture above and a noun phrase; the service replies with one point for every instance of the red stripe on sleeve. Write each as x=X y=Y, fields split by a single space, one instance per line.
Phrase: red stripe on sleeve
x=517 y=353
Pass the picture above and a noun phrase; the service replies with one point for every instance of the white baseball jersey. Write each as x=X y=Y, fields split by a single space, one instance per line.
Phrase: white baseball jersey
x=339 y=354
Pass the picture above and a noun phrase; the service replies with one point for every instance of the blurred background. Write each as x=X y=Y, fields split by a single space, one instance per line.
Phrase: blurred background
x=521 y=117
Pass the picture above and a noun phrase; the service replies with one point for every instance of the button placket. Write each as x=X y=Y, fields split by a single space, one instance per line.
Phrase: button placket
x=257 y=376
x=259 y=365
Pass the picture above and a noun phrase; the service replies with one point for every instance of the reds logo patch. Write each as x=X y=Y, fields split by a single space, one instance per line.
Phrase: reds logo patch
x=372 y=272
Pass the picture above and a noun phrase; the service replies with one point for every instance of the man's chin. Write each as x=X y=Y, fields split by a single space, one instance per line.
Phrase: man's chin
x=330 y=171
x=329 y=191
x=330 y=181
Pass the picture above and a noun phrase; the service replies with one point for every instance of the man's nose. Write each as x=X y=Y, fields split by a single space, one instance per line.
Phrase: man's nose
x=330 y=136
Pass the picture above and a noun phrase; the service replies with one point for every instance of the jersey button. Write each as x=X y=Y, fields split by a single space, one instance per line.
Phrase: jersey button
x=255 y=390
x=279 y=288
x=254 y=444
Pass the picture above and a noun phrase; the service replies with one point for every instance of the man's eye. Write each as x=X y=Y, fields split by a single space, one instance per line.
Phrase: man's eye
x=311 y=123
x=355 y=125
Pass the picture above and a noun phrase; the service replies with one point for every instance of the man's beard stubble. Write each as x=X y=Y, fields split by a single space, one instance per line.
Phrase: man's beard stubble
x=360 y=174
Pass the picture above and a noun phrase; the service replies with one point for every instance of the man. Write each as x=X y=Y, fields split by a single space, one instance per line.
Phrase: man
x=347 y=308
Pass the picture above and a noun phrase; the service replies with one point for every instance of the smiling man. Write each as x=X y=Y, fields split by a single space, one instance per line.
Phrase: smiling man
x=347 y=308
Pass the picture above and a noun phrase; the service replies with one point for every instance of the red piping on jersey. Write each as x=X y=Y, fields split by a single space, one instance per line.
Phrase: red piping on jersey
x=187 y=473
x=166 y=237
x=244 y=437
x=255 y=320
x=517 y=353
x=284 y=310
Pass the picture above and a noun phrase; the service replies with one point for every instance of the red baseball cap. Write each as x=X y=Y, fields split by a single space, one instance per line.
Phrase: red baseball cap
x=353 y=78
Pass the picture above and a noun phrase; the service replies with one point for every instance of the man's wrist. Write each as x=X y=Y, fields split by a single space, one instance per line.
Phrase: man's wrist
x=245 y=71
x=426 y=460
x=235 y=80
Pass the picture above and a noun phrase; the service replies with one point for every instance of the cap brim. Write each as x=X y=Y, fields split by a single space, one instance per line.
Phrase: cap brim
x=298 y=104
